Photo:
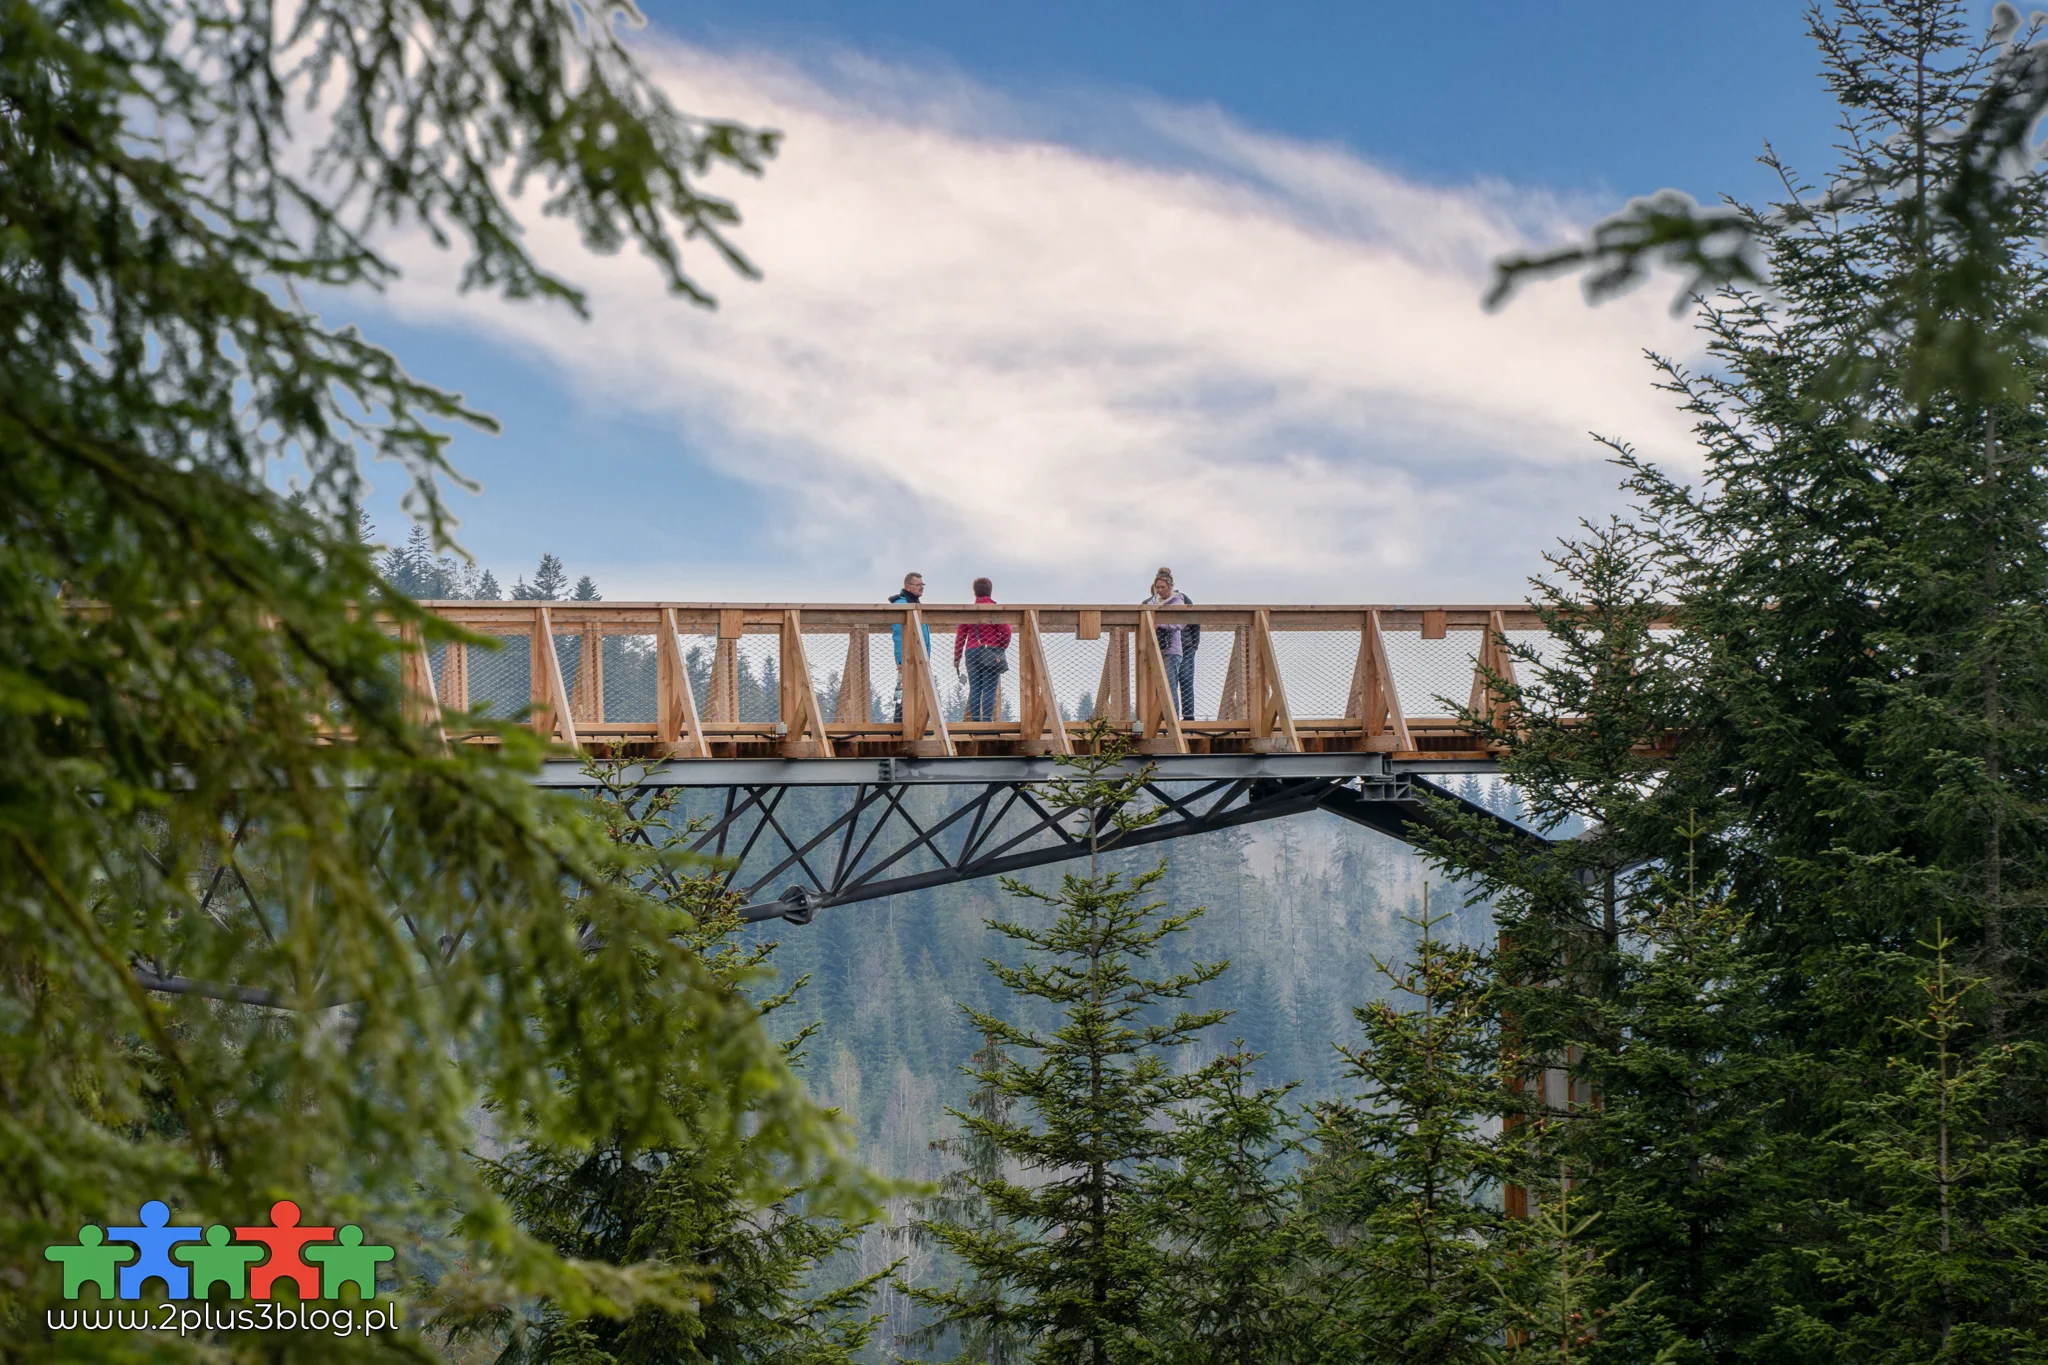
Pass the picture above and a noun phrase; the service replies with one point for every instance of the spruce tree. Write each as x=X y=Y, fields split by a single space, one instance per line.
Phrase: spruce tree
x=1232 y=1288
x=487 y=589
x=245 y=960
x=958 y=1201
x=1405 y=1182
x=549 y=579
x=1953 y=1234
x=745 y=1256
x=1862 y=702
x=1070 y=1264
x=1671 y=1143
x=586 y=590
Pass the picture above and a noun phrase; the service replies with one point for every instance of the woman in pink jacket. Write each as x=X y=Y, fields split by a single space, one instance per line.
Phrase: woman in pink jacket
x=987 y=651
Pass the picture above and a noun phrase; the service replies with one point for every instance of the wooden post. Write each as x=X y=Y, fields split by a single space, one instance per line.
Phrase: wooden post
x=1434 y=626
x=680 y=731
x=551 y=715
x=1157 y=712
x=1113 y=694
x=724 y=701
x=1038 y=705
x=589 y=696
x=541 y=648
x=921 y=712
x=1087 y=625
x=852 y=706
x=454 y=688
x=805 y=735
x=1374 y=703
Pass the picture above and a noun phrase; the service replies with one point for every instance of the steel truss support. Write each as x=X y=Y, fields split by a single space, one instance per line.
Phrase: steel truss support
x=792 y=838
x=792 y=851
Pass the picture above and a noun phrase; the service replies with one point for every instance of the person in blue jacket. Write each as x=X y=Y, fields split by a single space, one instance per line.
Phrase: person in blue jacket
x=912 y=594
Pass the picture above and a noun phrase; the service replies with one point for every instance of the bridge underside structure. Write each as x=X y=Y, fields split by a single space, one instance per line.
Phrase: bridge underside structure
x=791 y=840
x=831 y=756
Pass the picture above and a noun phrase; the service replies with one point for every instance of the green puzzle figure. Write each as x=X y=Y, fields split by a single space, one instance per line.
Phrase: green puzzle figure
x=90 y=1262
x=351 y=1262
x=218 y=1263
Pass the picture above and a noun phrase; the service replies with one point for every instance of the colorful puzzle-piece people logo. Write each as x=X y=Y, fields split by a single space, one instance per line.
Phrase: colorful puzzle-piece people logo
x=247 y=1262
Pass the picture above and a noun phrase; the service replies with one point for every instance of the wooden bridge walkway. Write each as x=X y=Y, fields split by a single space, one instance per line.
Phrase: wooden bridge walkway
x=693 y=680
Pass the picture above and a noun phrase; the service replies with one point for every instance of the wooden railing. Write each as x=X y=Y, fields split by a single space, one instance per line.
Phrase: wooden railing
x=703 y=680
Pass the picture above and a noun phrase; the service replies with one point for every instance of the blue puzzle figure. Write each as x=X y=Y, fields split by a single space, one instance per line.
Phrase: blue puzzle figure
x=154 y=1241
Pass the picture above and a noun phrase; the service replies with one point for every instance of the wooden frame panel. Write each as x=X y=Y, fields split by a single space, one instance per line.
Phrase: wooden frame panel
x=1374 y=703
x=551 y=714
x=922 y=715
x=1158 y=712
x=851 y=707
x=680 y=729
x=1272 y=719
x=805 y=719
x=416 y=675
x=1038 y=705
x=1494 y=657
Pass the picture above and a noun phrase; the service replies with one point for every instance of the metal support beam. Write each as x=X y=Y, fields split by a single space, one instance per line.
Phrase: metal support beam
x=791 y=858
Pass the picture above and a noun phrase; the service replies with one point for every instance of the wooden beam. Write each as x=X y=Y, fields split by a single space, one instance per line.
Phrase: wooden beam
x=1232 y=707
x=723 y=701
x=1272 y=719
x=922 y=715
x=454 y=688
x=557 y=719
x=1038 y=704
x=1157 y=711
x=1374 y=702
x=541 y=711
x=1113 y=693
x=854 y=691
x=588 y=697
x=1434 y=624
x=416 y=675
x=806 y=736
x=1493 y=658
x=680 y=729
x=1088 y=625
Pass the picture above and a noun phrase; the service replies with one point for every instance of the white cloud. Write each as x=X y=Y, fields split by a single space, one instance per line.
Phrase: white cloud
x=987 y=349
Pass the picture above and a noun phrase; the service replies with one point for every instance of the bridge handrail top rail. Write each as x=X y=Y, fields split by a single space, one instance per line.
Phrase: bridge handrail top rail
x=1052 y=615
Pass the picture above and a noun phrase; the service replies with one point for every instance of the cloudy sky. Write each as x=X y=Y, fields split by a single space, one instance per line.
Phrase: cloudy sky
x=1059 y=297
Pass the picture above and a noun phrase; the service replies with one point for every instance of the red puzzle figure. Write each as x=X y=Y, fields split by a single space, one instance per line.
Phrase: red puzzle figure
x=285 y=1263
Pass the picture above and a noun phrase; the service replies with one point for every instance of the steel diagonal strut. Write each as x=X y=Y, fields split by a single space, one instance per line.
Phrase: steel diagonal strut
x=863 y=836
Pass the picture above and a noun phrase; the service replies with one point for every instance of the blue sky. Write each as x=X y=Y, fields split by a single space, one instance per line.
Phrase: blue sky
x=1061 y=292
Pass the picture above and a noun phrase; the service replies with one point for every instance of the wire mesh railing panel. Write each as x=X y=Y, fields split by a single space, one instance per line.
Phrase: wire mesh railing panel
x=698 y=652
x=1541 y=643
x=885 y=679
x=830 y=660
x=1075 y=668
x=1426 y=670
x=500 y=678
x=632 y=691
x=1316 y=668
x=569 y=657
x=757 y=675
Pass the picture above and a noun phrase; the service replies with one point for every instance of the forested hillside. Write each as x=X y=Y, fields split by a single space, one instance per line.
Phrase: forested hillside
x=1299 y=907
